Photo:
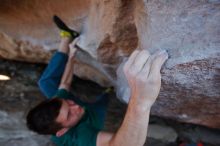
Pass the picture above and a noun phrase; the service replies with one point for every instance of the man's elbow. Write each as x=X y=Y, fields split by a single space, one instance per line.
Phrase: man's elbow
x=45 y=86
x=41 y=83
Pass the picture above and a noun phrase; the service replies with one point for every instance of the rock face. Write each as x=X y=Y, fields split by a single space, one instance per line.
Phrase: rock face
x=22 y=93
x=112 y=29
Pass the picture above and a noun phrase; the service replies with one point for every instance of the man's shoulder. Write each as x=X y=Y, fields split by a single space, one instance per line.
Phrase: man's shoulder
x=82 y=135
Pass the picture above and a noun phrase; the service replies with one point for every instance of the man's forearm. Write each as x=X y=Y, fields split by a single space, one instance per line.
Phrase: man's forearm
x=68 y=74
x=133 y=130
x=50 y=79
x=142 y=71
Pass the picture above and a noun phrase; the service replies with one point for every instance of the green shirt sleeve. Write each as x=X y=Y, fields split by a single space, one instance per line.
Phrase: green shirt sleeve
x=63 y=93
x=87 y=136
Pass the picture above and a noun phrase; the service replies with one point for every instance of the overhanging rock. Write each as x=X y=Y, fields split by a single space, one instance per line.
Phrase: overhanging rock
x=112 y=29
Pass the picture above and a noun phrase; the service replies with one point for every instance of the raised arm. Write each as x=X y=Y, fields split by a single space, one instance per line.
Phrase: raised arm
x=51 y=77
x=142 y=71
x=67 y=76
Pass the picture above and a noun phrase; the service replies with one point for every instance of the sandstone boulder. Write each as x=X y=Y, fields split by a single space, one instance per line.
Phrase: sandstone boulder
x=112 y=29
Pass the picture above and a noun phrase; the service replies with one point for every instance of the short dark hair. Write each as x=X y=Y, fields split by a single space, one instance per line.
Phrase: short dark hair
x=41 y=118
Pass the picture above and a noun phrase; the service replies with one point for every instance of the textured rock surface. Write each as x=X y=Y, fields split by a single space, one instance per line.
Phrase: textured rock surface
x=112 y=29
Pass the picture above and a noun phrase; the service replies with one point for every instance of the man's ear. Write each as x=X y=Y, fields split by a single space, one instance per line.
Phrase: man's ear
x=61 y=132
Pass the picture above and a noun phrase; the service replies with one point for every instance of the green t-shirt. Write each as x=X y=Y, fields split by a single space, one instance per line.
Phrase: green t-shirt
x=85 y=132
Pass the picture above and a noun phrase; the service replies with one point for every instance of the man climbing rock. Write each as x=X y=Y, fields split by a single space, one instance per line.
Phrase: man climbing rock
x=73 y=122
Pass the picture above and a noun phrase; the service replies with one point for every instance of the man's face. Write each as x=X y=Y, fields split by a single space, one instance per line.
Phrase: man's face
x=70 y=113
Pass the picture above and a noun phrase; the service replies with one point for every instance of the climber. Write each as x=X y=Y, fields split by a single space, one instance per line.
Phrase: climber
x=73 y=122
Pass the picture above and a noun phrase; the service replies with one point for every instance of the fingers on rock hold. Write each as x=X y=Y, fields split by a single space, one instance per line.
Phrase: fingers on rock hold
x=130 y=60
x=158 y=60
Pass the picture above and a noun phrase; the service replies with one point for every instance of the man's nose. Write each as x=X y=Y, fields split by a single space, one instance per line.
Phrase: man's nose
x=74 y=108
x=70 y=102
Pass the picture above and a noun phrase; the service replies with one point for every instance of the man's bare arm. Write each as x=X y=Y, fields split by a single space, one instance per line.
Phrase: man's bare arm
x=142 y=71
x=69 y=69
